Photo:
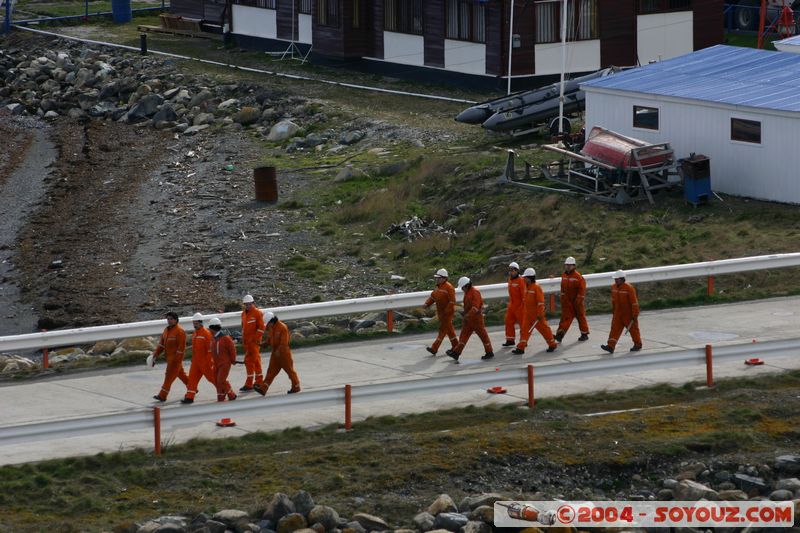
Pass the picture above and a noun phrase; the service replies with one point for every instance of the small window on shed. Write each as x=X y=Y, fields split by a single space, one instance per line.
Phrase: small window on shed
x=748 y=131
x=645 y=117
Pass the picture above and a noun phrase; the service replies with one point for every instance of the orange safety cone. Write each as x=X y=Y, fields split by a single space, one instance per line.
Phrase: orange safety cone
x=754 y=361
x=496 y=390
x=226 y=423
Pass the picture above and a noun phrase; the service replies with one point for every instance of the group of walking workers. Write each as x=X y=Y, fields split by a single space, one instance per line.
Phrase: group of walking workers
x=214 y=353
x=526 y=311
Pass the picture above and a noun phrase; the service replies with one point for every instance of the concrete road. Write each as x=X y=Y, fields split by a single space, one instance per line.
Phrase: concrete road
x=391 y=359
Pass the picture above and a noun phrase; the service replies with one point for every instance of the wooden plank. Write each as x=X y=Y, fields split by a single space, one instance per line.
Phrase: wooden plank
x=187 y=33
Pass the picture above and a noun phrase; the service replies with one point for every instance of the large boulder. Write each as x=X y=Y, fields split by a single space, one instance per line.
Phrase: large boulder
x=325 y=515
x=303 y=502
x=200 y=98
x=370 y=522
x=146 y=107
x=484 y=513
x=788 y=463
x=279 y=506
x=103 y=347
x=137 y=343
x=476 y=527
x=688 y=490
x=165 y=114
x=472 y=502
x=285 y=129
x=232 y=518
x=442 y=504
x=424 y=521
x=450 y=521
x=792 y=484
x=247 y=115
x=291 y=522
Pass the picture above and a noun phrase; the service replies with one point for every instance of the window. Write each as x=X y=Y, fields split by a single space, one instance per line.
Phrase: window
x=748 y=131
x=645 y=117
x=304 y=7
x=657 y=6
x=263 y=4
x=466 y=21
x=328 y=12
x=581 y=20
x=404 y=16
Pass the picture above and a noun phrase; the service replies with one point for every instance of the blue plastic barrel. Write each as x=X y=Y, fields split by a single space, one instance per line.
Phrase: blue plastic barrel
x=121 y=11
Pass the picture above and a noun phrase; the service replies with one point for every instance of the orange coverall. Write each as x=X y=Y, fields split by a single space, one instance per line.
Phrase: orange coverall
x=535 y=314
x=473 y=322
x=223 y=351
x=516 y=306
x=281 y=356
x=573 y=294
x=444 y=296
x=202 y=362
x=172 y=344
x=625 y=307
x=252 y=331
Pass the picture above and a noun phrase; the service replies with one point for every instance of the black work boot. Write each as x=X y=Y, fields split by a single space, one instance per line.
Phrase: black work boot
x=559 y=336
x=508 y=343
x=583 y=337
x=607 y=348
x=518 y=351
x=487 y=355
x=187 y=400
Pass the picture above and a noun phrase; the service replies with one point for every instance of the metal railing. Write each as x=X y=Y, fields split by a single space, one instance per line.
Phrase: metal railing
x=72 y=337
x=158 y=417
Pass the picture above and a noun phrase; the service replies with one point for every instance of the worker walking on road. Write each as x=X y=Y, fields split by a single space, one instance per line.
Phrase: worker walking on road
x=573 y=296
x=281 y=356
x=534 y=315
x=473 y=321
x=625 y=307
x=223 y=352
x=516 y=304
x=173 y=345
x=444 y=296
x=202 y=362
x=252 y=331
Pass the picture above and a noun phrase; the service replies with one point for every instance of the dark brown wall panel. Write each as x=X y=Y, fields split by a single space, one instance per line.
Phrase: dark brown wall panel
x=187 y=8
x=708 y=23
x=433 y=32
x=617 y=32
x=284 y=19
x=522 y=58
x=377 y=25
x=494 y=38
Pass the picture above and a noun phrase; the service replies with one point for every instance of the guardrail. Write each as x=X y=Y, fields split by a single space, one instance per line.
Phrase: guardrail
x=158 y=417
x=72 y=337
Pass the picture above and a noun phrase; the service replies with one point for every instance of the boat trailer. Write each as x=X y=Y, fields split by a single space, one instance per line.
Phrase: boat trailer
x=609 y=167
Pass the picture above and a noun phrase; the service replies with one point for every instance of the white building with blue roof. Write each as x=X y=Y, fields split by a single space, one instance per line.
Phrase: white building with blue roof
x=738 y=106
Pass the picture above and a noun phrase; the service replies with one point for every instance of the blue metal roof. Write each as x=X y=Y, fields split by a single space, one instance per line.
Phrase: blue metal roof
x=721 y=74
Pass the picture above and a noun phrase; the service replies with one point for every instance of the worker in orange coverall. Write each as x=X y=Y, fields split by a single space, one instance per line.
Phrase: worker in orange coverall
x=573 y=296
x=516 y=303
x=534 y=315
x=281 y=356
x=444 y=296
x=223 y=351
x=473 y=321
x=202 y=362
x=625 y=307
x=173 y=345
x=252 y=331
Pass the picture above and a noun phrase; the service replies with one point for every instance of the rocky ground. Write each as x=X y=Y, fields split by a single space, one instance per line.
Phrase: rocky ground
x=150 y=203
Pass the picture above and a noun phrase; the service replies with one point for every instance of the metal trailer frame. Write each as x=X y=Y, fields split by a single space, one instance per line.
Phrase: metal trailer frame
x=598 y=180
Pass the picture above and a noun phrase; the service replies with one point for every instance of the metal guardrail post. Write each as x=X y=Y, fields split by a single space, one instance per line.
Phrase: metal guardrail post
x=348 y=391
x=45 y=357
x=390 y=320
x=710 y=286
x=552 y=300
x=531 y=401
x=157 y=429
x=709 y=366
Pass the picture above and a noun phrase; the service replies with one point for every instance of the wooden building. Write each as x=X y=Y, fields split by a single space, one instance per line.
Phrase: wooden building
x=470 y=38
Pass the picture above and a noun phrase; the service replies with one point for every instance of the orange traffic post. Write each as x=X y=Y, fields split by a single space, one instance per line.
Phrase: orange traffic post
x=390 y=320
x=709 y=367
x=531 y=401
x=157 y=429
x=710 y=288
x=347 y=397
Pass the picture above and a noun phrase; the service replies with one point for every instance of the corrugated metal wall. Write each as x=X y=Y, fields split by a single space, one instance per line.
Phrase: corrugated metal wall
x=767 y=171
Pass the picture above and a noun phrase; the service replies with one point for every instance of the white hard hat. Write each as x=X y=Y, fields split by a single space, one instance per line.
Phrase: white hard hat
x=529 y=272
x=619 y=274
x=247 y=299
x=441 y=273
x=214 y=322
x=197 y=317
x=513 y=264
x=569 y=260
x=150 y=363
x=463 y=280
x=268 y=315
